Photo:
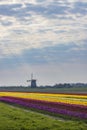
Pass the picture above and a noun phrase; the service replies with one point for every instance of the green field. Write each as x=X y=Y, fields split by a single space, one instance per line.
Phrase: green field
x=82 y=90
x=15 y=118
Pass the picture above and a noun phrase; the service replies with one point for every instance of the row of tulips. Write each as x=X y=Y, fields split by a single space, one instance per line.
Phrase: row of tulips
x=63 y=98
x=52 y=107
x=72 y=107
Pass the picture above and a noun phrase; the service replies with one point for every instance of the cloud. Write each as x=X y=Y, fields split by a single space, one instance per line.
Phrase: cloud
x=44 y=36
x=58 y=54
x=38 y=24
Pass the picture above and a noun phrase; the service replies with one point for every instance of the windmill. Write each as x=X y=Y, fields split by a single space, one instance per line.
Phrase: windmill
x=33 y=82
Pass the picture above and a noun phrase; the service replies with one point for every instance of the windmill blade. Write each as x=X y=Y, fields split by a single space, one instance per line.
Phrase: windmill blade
x=28 y=80
x=31 y=76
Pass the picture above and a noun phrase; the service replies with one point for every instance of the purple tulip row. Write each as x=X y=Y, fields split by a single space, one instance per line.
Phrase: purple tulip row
x=49 y=108
x=71 y=107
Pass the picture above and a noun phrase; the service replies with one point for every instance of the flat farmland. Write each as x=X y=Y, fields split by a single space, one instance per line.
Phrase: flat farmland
x=43 y=111
x=12 y=118
x=82 y=90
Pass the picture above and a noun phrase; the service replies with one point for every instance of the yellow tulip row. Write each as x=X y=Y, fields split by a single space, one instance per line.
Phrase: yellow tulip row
x=63 y=98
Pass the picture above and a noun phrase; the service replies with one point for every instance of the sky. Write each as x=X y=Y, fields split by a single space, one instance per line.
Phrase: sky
x=45 y=37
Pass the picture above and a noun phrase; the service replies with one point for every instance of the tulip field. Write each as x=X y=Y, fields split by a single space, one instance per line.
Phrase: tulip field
x=67 y=106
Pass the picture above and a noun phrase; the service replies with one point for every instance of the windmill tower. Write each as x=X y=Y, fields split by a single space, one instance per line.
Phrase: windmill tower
x=33 y=82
